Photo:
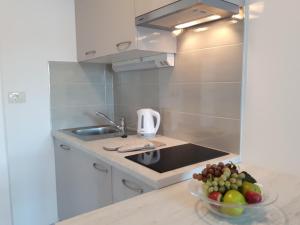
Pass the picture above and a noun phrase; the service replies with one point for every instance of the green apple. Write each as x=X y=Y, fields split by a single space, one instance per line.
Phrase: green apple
x=233 y=197
x=247 y=186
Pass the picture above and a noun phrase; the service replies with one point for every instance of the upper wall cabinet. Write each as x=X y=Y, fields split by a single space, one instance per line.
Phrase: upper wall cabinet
x=106 y=33
x=145 y=6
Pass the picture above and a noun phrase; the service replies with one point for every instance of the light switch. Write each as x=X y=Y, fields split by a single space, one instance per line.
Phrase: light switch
x=15 y=97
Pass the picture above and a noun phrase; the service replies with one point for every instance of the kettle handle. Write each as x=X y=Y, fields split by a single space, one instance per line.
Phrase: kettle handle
x=157 y=116
x=140 y=127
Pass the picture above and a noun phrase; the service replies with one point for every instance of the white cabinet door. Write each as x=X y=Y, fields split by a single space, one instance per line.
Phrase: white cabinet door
x=104 y=27
x=86 y=37
x=83 y=181
x=126 y=186
x=145 y=6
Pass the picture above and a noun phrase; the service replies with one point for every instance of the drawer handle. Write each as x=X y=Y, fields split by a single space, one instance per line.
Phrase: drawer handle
x=122 y=46
x=126 y=184
x=92 y=52
x=65 y=147
x=100 y=168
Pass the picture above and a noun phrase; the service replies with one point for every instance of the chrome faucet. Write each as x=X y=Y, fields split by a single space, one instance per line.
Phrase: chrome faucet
x=122 y=127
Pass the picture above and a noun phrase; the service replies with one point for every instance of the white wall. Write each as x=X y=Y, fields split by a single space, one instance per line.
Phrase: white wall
x=5 y=207
x=32 y=33
x=272 y=105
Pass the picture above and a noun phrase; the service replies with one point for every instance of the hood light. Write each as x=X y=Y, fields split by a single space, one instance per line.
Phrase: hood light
x=239 y=16
x=196 y=22
x=201 y=29
x=177 y=32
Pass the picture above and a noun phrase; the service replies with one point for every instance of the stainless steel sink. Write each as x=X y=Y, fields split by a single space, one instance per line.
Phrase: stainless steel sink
x=93 y=132
x=87 y=131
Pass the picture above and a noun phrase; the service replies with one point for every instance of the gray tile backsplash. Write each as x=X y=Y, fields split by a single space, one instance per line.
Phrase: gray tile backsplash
x=210 y=131
x=220 y=64
x=214 y=99
x=199 y=99
x=78 y=90
x=219 y=34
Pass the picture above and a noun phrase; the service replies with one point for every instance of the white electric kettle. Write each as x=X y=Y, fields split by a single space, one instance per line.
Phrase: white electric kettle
x=146 y=123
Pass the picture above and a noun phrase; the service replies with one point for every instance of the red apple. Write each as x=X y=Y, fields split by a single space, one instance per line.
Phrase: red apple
x=253 y=197
x=217 y=196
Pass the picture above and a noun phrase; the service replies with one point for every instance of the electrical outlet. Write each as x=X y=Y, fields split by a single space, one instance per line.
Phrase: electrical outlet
x=16 y=97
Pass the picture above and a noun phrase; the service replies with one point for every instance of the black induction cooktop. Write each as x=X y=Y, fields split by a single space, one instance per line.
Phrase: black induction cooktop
x=172 y=158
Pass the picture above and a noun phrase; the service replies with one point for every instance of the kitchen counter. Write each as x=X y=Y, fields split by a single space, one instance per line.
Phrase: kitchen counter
x=175 y=205
x=118 y=160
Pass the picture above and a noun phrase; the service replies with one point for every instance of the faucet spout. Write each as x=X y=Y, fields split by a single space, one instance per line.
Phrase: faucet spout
x=122 y=127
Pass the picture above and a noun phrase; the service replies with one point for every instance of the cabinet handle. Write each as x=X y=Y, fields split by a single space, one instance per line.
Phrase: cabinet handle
x=138 y=190
x=92 y=52
x=98 y=167
x=122 y=46
x=65 y=147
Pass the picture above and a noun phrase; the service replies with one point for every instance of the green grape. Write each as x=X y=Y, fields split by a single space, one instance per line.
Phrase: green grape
x=227 y=170
x=227 y=184
x=221 y=183
x=234 y=186
x=234 y=175
x=239 y=182
x=216 y=179
x=232 y=180
x=222 y=189
x=227 y=174
x=216 y=188
x=242 y=176
x=210 y=190
x=224 y=177
x=215 y=183
x=208 y=183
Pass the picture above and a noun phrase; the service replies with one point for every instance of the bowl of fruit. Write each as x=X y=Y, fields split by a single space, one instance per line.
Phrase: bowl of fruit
x=228 y=192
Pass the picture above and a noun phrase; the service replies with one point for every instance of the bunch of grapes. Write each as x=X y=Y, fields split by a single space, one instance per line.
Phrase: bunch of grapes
x=221 y=177
x=210 y=172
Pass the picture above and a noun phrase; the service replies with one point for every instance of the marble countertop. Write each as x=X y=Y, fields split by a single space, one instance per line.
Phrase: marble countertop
x=175 y=205
x=118 y=160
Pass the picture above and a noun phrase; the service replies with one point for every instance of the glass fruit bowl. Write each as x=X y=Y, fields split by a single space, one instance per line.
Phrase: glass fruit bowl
x=230 y=210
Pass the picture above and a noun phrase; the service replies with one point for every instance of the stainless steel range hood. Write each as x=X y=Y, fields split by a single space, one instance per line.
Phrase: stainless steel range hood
x=185 y=13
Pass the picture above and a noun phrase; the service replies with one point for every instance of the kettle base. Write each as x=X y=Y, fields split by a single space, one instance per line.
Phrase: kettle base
x=147 y=136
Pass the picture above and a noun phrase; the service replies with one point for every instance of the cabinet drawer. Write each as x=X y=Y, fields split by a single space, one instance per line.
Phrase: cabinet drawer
x=125 y=186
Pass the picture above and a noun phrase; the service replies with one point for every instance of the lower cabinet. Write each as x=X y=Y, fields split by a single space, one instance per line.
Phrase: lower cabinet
x=83 y=181
x=126 y=186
